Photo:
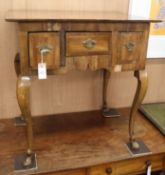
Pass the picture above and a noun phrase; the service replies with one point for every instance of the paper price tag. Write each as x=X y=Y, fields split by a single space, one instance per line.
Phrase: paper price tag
x=42 y=71
x=149 y=170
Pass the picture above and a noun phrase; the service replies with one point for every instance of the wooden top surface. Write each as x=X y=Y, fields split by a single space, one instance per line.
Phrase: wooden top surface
x=70 y=141
x=34 y=15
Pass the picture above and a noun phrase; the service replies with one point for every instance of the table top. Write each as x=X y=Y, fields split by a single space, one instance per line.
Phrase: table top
x=51 y=15
x=76 y=140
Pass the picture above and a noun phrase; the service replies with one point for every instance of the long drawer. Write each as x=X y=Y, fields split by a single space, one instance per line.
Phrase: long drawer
x=88 y=43
x=131 y=166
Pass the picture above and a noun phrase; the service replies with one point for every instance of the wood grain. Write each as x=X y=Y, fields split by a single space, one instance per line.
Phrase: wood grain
x=59 y=15
x=73 y=172
x=106 y=39
x=131 y=166
x=142 y=85
x=132 y=55
x=75 y=46
x=41 y=39
x=80 y=141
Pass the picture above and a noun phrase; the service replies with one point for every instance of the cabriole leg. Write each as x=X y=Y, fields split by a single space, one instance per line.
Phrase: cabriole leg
x=107 y=112
x=142 y=83
x=19 y=120
x=23 y=96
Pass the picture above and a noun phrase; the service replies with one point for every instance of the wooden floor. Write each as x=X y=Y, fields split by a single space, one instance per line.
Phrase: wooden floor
x=76 y=140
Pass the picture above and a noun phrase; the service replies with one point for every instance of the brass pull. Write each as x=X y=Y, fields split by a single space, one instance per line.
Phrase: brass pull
x=130 y=46
x=108 y=170
x=45 y=48
x=89 y=43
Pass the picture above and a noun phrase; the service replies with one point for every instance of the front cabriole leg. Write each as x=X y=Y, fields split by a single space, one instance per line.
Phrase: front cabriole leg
x=23 y=96
x=19 y=120
x=142 y=84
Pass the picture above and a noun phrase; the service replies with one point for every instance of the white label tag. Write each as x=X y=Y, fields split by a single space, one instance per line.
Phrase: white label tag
x=42 y=72
x=149 y=170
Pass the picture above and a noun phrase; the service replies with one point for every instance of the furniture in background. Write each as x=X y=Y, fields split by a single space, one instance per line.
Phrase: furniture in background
x=65 y=41
x=155 y=112
x=83 y=143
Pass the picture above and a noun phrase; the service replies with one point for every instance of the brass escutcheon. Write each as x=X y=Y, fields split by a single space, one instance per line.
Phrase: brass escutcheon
x=47 y=47
x=130 y=46
x=89 y=43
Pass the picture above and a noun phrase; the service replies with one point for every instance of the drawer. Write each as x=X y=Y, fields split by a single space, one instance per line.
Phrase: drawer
x=74 y=172
x=102 y=170
x=44 y=40
x=139 y=165
x=88 y=43
x=131 y=49
x=132 y=166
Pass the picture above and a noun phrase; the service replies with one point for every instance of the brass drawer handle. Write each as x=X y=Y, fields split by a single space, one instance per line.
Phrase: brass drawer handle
x=89 y=43
x=45 y=48
x=108 y=170
x=130 y=46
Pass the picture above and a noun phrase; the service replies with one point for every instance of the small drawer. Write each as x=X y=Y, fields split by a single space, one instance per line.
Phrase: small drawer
x=44 y=40
x=88 y=43
x=131 y=49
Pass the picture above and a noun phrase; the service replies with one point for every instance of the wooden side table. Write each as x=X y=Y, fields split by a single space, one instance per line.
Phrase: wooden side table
x=65 y=41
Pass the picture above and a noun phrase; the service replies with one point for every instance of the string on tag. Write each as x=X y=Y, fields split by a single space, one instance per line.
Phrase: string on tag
x=42 y=70
x=42 y=56
x=42 y=52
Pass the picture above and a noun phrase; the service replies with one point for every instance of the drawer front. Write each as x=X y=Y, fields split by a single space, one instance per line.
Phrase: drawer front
x=131 y=50
x=74 y=172
x=102 y=170
x=139 y=165
x=44 y=40
x=132 y=167
x=88 y=43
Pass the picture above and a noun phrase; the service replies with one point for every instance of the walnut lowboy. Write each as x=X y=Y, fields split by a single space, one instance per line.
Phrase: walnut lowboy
x=65 y=41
